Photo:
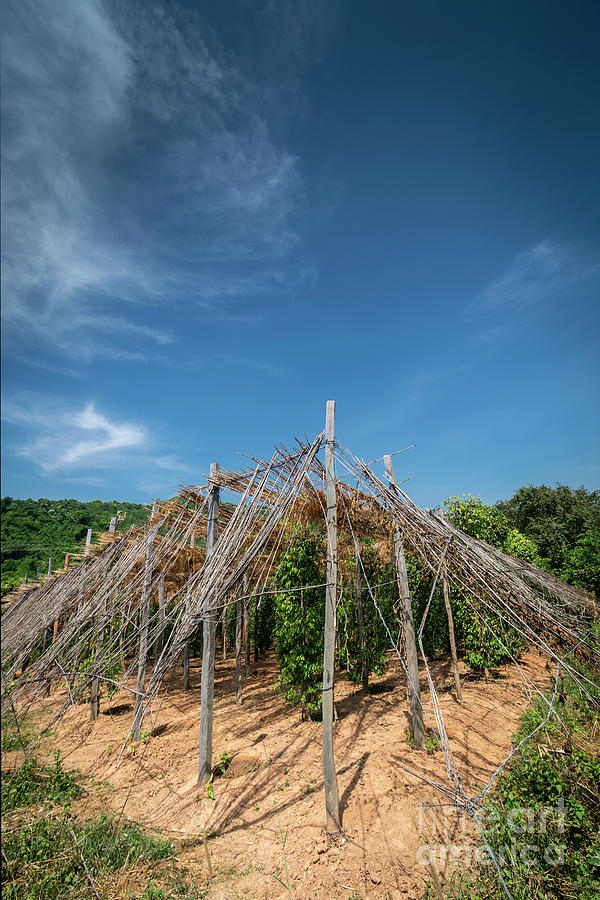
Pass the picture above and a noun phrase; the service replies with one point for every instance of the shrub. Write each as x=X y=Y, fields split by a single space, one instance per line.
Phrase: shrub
x=299 y=622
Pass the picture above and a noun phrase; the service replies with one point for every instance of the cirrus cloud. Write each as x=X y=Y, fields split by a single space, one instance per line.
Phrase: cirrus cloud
x=141 y=170
x=67 y=439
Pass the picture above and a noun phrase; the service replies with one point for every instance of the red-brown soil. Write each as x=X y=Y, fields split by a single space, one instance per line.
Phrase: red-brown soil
x=380 y=800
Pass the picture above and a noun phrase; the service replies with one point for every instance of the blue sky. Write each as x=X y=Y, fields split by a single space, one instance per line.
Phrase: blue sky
x=218 y=216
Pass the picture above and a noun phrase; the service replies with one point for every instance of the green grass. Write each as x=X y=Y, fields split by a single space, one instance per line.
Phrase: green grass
x=15 y=735
x=44 y=857
x=44 y=845
x=559 y=765
x=36 y=783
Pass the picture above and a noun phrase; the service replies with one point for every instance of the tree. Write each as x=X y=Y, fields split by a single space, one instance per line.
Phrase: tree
x=581 y=567
x=554 y=518
x=33 y=530
x=518 y=544
x=486 y=523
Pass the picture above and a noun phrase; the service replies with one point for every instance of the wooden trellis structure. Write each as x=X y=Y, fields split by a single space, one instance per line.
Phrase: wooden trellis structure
x=95 y=623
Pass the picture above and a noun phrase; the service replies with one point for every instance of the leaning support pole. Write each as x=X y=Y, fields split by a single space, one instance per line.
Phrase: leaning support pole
x=144 y=624
x=332 y=803
x=209 y=637
x=412 y=664
x=451 y=634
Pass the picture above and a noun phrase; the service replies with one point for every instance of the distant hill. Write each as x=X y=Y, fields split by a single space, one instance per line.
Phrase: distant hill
x=33 y=530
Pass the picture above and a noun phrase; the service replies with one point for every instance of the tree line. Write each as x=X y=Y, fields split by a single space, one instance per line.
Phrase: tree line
x=34 y=530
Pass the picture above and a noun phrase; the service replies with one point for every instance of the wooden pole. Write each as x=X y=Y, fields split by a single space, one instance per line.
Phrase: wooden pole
x=451 y=634
x=239 y=615
x=247 y=635
x=88 y=541
x=67 y=555
x=162 y=603
x=255 y=628
x=407 y=620
x=208 y=645
x=49 y=565
x=186 y=649
x=224 y=631
x=144 y=624
x=113 y=525
x=37 y=573
x=186 y=667
x=364 y=671
x=332 y=803
x=95 y=699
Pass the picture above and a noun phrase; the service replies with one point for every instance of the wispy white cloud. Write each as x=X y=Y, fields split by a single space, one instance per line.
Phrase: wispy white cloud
x=141 y=168
x=532 y=277
x=66 y=439
x=172 y=463
x=157 y=487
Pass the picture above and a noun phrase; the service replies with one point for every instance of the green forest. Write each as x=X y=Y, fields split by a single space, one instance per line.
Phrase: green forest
x=556 y=528
x=34 y=530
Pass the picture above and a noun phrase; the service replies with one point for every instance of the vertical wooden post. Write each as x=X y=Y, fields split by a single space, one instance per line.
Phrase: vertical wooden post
x=67 y=555
x=186 y=650
x=361 y=622
x=255 y=628
x=247 y=635
x=208 y=643
x=224 y=630
x=239 y=615
x=332 y=803
x=37 y=573
x=160 y=641
x=186 y=667
x=26 y=578
x=113 y=525
x=48 y=682
x=144 y=624
x=95 y=699
x=451 y=634
x=49 y=565
x=125 y=617
x=407 y=620
x=88 y=541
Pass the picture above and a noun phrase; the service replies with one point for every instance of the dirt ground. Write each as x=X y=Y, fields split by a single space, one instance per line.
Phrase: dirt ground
x=259 y=807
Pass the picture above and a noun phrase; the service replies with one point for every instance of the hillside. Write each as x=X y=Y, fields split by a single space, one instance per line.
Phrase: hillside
x=33 y=530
